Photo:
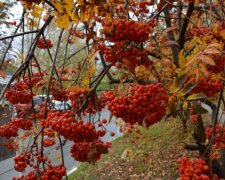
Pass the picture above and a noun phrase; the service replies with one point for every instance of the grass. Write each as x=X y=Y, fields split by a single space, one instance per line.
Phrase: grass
x=153 y=154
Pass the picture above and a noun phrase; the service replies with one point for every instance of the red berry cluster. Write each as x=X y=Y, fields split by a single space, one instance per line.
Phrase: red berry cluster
x=16 y=97
x=19 y=94
x=59 y=94
x=65 y=124
x=219 y=140
x=108 y=95
x=143 y=6
x=42 y=45
x=194 y=169
x=11 y=129
x=49 y=132
x=30 y=176
x=133 y=55
x=70 y=41
x=54 y=172
x=208 y=86
x=146 y=104
x=21 y=161
x=89 y=152
x=94 y=103
x=11 y=23
x=47 y=142
x=74 y=32
x=125 y=30
x=35 y=79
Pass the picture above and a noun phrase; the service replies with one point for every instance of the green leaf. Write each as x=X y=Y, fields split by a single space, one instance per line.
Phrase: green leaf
x=196 y=96
x=179 y=82
x=187 y=88
x=185 y=105
x=198 y=108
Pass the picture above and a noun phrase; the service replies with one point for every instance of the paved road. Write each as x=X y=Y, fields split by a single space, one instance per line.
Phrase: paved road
x=7 y=171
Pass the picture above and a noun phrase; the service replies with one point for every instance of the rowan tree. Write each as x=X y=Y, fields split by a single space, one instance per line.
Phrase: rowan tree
x=169 y=55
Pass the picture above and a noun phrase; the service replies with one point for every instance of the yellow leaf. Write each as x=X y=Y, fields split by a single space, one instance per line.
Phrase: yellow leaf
x=58 y=156
x=20 y=56
x=73 y=16
x=3 y=104
x=203 y=69
x=215 y=28
x=3 y=74
x=196 y=97
x=86 y=81
x=80 y=2
x=58 y=6
x=34 y=24
x=182 y=59
x=63 y=21
x=36 y=131
x=127 y=153
x=36 y=14
x=185 y=105
x=69 y=3
x=214 y=45
x=89 y=73
x=86 y=12
x=38 y=8
x=222 y=33
x=207 y=60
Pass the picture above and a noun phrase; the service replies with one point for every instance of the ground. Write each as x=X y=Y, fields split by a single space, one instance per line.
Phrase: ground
x=151 y=155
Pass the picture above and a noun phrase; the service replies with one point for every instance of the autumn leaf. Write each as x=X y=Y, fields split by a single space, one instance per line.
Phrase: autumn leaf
x=185 y=105
x=58 y=156
x=198 y=108
x=36 y=14
x=196 y=96
x=207 y=60
x=69 y=3
x=179 y=82
x=171 y=43
x=3 y=74
x=128 y=65
x=169 y=29
x=58 y=6
x=222 y=33
x=86 y=12
x=63 y=21
x=73 y=16
x=100 y=148
x=80 y=2
x=187 y=88
x=86 y=81
x=128 y=153
x=181 y=58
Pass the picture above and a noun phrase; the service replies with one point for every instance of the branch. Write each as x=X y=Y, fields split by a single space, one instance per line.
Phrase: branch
x=171 y=36
x=192 y=147
x=100 y=77
x=20 y=34
x=185 y=24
